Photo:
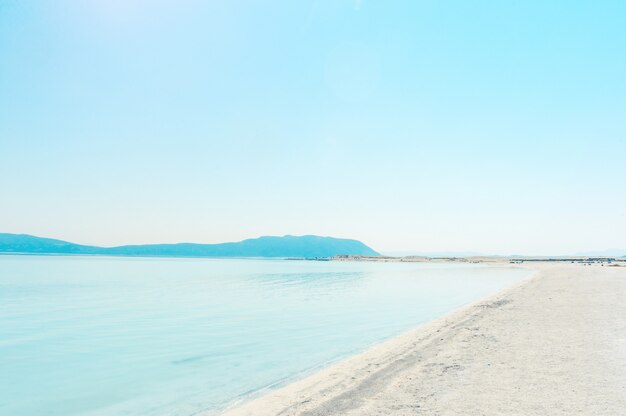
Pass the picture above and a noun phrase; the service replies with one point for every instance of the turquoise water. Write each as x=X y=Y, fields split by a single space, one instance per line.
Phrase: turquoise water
x=136 y=336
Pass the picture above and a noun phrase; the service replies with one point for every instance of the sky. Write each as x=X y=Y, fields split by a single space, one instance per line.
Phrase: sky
x=486 y=126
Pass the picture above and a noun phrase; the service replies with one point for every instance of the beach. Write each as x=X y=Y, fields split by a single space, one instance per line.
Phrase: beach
x=552 y=344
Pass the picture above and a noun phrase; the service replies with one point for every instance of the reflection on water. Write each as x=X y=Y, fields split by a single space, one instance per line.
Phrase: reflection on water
x=137 y=336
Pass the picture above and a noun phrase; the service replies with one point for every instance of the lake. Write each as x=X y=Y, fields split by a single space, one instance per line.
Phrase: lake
x=89 y=335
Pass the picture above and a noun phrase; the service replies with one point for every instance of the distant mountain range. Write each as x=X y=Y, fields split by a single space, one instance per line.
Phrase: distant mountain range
x=307 y=246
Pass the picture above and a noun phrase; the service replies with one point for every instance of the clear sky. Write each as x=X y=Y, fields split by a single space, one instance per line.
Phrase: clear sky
x=491 y=126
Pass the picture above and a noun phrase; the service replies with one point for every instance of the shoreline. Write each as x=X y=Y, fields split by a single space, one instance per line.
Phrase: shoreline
x=394 y=376
x=267 y=393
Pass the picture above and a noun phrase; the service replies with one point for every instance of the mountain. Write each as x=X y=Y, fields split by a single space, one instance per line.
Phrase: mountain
x=306 y=246
x=24 y=243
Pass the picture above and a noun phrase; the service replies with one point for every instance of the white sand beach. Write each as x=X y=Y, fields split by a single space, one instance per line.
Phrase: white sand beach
x=554 y=344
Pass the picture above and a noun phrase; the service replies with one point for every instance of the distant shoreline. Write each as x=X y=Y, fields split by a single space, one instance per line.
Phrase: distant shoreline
x=484 y=259
x=612 y=261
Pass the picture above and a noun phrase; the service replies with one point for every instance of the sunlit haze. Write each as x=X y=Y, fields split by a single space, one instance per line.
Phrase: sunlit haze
x=492 y=127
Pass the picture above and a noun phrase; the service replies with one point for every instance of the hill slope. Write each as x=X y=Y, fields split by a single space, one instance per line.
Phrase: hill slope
x=287 y=246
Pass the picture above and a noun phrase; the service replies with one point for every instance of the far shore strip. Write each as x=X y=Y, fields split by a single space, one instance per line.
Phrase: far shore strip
x=553 y=345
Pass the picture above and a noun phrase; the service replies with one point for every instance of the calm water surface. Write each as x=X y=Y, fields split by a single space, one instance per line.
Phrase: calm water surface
x=136 y=336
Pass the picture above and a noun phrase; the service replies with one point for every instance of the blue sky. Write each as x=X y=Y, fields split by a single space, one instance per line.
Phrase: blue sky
x=488 y=126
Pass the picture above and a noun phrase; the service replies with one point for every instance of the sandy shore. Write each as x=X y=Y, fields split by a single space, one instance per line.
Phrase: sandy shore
x=555 y=344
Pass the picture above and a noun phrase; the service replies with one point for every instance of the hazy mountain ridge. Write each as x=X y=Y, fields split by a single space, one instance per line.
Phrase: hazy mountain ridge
x=286 y=246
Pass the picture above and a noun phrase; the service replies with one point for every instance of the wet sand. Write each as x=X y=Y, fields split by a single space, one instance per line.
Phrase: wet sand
x=553 y=344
